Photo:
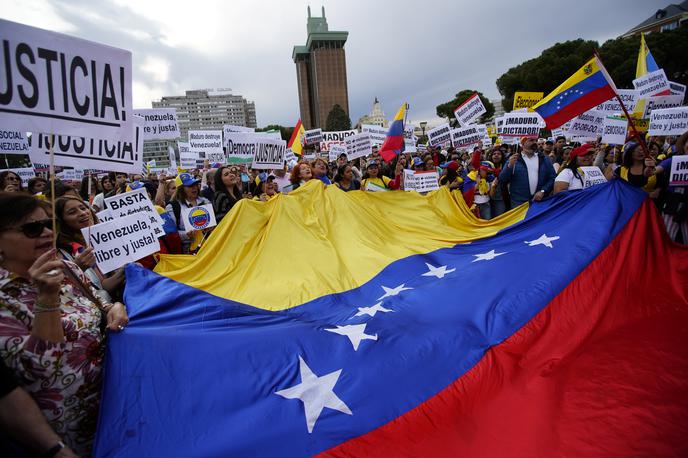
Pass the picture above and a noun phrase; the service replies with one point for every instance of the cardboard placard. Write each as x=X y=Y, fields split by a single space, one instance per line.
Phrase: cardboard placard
x=121 y=240
x=13 y=142
x=592 y=176
x=208 y=142
x=469 y=110
x=62 y=84
x=198 y=218
x=159 y=123
x=358 y=145
x=526 y=99
x=440 y=135
x=270 y=154
x=670 y=121
x=134 y=203
x=654 y=83
x=678 y=176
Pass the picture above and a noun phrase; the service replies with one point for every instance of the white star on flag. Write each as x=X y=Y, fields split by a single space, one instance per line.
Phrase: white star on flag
x=438 y=272
x=372 y=310
x=490 y=255
x=392 y=291
x=543 y=240
x=315 y=393
x=355 y=333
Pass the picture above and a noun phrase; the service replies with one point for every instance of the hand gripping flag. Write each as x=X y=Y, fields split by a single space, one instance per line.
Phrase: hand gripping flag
x=570 y=340
x=394 y=143
x=585 y=89
x=296 y=140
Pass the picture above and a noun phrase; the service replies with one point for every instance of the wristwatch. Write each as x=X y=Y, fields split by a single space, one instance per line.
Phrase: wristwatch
x=54 y=450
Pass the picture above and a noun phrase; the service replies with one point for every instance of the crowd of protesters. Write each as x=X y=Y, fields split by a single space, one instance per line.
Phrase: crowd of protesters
x=56 y=304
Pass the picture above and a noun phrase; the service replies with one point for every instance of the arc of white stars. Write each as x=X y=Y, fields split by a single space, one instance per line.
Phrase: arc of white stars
x=316 y=393
x=438 y=272
x=355 y=333
x=543 y=240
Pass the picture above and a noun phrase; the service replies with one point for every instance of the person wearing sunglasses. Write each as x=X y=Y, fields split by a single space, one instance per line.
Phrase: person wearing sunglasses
x=50 y=322
x=10 y=181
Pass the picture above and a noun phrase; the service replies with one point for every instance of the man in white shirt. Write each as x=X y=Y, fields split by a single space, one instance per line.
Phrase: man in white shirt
x=530 y=174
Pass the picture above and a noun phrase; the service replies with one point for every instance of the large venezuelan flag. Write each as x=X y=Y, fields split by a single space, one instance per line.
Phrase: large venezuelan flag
x=559 y=333
x=585 y=89
x=394 y=143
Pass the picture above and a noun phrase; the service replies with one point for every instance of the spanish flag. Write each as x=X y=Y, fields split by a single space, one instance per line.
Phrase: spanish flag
x=296 y=140
x=401 y=325
x=585 y=89
x=394 y=143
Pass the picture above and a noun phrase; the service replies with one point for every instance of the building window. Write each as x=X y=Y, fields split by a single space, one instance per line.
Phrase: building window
x=669 y=26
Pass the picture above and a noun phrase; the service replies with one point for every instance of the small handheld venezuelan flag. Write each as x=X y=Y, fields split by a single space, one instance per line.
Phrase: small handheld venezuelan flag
x=394 y=143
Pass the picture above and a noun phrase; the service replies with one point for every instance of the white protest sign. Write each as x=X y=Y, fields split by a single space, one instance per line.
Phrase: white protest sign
x=71 y=175
x=13 y=142
x=426 y=181
x=378 y=134
x=313 y=137
x=197 y=218
x=241 y=147
x=679 y=171
x=670 y=121
x=227 y=128
x=270 y=154
x=104 y=215
x=187 y=158
x=469 y=110
x=587 y=125
x=335 y=151
x=172 y=158
x=629 y=97
x=409 y=180
x=466 y=136
x=159 y=123
x=25 y=173
x=358 y=145
x=290 y=158
x=678 y=89
x=410 y=140
x=520 y=125
x=136 y=202
x=57 y=83
x=614 y=130
x=653 y=83
x=660 y=102
x=440 y=135
x=91 y=153
x=335 y=138
x=592 y=176
x=208 y=142
x=120 y=241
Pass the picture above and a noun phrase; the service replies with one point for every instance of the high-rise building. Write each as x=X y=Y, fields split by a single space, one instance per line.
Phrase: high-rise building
x=202 y=109
x=321 y=72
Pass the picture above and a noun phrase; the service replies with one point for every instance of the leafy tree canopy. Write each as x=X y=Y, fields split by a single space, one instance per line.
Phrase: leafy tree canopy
x=446 y=110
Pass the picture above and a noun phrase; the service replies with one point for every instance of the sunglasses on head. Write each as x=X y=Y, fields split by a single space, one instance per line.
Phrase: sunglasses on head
x=34 y=229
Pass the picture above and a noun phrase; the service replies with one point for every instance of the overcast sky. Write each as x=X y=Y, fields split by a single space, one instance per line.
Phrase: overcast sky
x=420 y=52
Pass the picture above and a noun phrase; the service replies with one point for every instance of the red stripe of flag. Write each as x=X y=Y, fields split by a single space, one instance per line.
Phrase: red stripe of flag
x=601 y=371
x=581 y=105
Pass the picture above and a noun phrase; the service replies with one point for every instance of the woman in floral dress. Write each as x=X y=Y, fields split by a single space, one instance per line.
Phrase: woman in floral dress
x=50 y=322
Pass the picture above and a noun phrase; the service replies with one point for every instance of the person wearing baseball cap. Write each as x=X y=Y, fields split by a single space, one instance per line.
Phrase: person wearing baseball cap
x=374 y=181
x=572 y=177
x=187 y=195
x=530 y=175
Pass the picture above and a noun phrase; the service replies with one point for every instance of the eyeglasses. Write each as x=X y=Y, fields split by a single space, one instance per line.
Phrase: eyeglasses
x=34 y=229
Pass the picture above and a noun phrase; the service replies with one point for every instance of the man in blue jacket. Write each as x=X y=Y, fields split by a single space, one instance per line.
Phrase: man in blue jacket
x=530 y=174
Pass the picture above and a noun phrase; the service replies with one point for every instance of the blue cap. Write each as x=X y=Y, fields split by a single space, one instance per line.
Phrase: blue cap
x=372 y=164
x=186 y=179
x=417 y=161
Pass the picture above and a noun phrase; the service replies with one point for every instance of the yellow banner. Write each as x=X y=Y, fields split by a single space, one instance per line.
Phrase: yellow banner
x=527 y=99
x=641 y=125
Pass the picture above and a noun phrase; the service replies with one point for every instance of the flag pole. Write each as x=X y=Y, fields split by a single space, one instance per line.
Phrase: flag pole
x=52 y=189
x=636 y=134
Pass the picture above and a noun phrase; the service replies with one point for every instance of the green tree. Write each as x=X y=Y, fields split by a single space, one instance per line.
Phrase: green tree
x=446 y=110
x=545 y=72
x=620 y=55
x=337 y=119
